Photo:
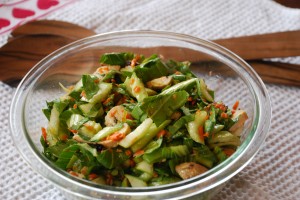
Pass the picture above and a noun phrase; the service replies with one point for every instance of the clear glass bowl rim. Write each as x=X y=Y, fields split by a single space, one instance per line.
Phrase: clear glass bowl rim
x=224 y=171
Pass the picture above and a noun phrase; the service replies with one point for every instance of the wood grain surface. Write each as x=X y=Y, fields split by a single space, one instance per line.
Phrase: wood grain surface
x=20 y=55
x=289 y=3
x=277 y=72
x=52 y=27
x=33 y=41
x=273 y=45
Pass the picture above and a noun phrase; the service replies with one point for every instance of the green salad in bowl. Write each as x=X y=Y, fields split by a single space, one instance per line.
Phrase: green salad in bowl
x=140 y=115
x=140 y=121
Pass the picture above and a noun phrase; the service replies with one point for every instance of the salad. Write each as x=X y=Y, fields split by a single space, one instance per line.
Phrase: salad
x=138 y=122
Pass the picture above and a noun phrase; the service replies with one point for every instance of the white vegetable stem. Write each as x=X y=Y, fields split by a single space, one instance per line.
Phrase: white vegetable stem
x=137 y=134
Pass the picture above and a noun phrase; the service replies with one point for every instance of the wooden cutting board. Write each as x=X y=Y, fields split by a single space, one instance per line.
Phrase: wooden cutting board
x=35 y=40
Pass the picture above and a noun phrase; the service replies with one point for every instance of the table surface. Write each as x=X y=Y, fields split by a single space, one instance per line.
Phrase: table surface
x=274 y=173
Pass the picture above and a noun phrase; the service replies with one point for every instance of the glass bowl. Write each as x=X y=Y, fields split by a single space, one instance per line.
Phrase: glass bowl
x=231 y=78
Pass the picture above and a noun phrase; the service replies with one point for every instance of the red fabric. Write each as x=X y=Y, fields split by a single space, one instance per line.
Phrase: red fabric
x=18 y=12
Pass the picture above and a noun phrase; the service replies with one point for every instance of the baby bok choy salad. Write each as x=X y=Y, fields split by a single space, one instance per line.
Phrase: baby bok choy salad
x=138 y=122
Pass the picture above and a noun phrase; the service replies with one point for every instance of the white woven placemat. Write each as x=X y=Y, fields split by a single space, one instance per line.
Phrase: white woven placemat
x=275 y=171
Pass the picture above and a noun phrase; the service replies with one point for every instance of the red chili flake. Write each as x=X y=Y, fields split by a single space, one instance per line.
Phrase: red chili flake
x=73 y=173
x=128 y=116
x=224 y=115
x=138 y=153
x=131 y=81
x=63 y=137
x=161 y=133
x=107 y=100
x=93 y=176
x=44 y=134
x=235 y=105
x=91 y=128
x=75 y=106
x=128 y=152
x=206 y=134
x=137 y=89
x=200 y=132
x=228 y=151
x=83 y=93
x=73 y=131
x=221 y=106
x=116 y=136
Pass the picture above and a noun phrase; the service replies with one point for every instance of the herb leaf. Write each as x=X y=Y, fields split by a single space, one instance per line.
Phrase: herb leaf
x=89 y=86
x=151 y=69
x=161 y=107
x=87 y=155
x=116 y=58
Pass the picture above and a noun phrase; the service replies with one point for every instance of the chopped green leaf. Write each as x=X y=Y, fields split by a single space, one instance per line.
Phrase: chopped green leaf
x=161 y=107
x=89 y=86
x=66 y=155
x=180 y=123
x=151 y=69
x=155 y=144
x=116 y=58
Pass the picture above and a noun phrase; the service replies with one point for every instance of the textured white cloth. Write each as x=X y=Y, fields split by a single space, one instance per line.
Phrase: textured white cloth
x=275 y=171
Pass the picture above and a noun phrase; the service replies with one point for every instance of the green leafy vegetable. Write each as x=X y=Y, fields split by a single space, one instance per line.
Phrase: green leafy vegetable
x=135 y=119
x=66 y=155
x=89 y=86
x=180 y=123
x=224 y=138
x=220 y=154
x=166 y=152
x=111 y=158
x=161 y=107
x=107 y=158
x=205 y=156
x=151 y=69
x=153 y=145
x=116 y=58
